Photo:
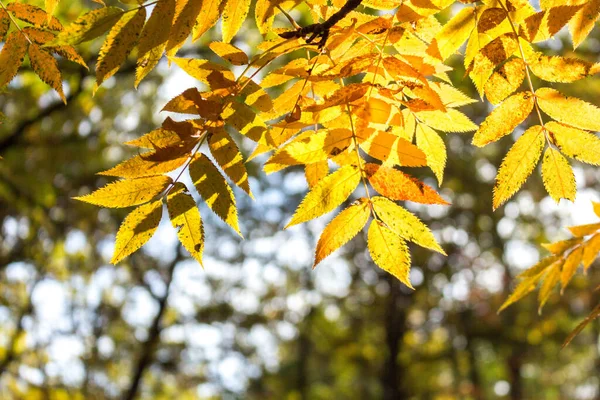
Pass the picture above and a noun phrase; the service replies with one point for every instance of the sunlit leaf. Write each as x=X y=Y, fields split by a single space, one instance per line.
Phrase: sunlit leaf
x=558 y=176
x=389 y=251
x=128 y=192
x=185 y=217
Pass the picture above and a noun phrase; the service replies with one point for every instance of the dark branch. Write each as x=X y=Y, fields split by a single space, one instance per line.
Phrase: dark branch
x=322 y=29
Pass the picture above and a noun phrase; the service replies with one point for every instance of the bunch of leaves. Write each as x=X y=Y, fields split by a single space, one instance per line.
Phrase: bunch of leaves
x=558 y=268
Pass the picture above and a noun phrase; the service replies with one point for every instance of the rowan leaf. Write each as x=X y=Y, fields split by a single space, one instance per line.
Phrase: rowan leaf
x=389 y=252
x=551 y=279
x=34 y=15
x=590 y=251
x=185 y=217
x=89 y=26
x=505 y=80
x=397 y=185
x=524 y=287
x=149 y=164
x=505 y=118
x=214 y=75
x=557 y=68
x=46 y=67
x=315 y=172
x=215 y=191
x=234 y=15
x=519 y=163
x=583 y=21
x=561 y=246
x=11 y=56
x=454 y=33
x=327 y=195
x=228 y=156
x=568 y=110
x=118 y=44
x=576 y=143
x=4 y=24
x=128 y=192
x=136 y=229
x=558 y=176
x=546 y=23
x=570 y=266
x=405 y=224
x=434 y=148
x=229 y=52
x=342 y=229
x=156 y=30
x=450 y=121
x=208 y=17
x=490 y=18
x=584 y=230
x=186 y=14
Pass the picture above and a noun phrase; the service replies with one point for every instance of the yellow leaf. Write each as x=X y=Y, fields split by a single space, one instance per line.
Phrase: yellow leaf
x=584 y=230
x=390 y=148
x=50 y=7
x=558 y=176
x=505 y=80
x=405 y=224
x=327 y=195
x=596 y=206
x=546 y=23
x=569 y=110
x=11 y=56
x=146 y=165
x=157 y=138
x=342 y=228
x=234 y=14
x=89 y=26
x=389 y=252
x=550 y=281
x=558 y=69
x=593 y=315
x=46 y=67
x=185 y=217
x=504 y=119
x=524 y=287
x=147 y=63
x=127 y=193
x=186 y=14
x=397 y=185
x=561 y=246
x=451 y=96
x=570 y=267
x=583 y=21
x=518 y=164
x=215 y=191
x=315 y=172
x=590 y=251
x=35 y=16
x=137 y=228
x=310 y=148
x=540 y=266
x=575 y=143
x=209 y=15
x=118 y=44
x=450 y=121
x=453 y=34
x=4 y=24
x=434 y=148
x=229 y=52
x=214 y=75
x=156 y=31
x=228 y=156
x=490 y=18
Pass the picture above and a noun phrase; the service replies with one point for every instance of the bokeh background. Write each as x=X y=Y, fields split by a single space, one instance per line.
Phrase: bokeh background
x=257 y=322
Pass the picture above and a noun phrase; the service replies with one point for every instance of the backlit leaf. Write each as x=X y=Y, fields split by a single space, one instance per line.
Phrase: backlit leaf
x=569 y=110
x=46 y=67
x=89 y=26
x=34 y=15
x=593 y=315
x=504 y=119
x=590 y=251
x=519 y=163
x=453 y=34
x=208 y=17
x=450 y=121
x=405 y=224
x=229 y=52
x=561 y=246
x=397 y=185
x=11 y=56
x=389 y=251
x=342 y=228
x=119 y=43
x=576 y=143
x=128 y=192
x=584 y=230
x=147 y=164
x=315 y=172
x=434 y=148
x=551 y=279
x=228 y=156
x=524 y=287
x=505 y=80
x=583 y=21
x=558 y=176
x=186 y=13
x=558 y=69
x=327 y=195
x=234 y=14
x=4 y=24
x=570 y=266
x=136 y=229
x=154 y=36
x=215 y=191
x=185 y=217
